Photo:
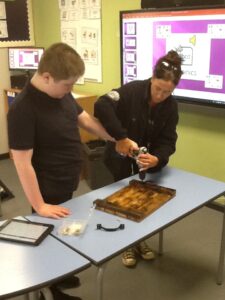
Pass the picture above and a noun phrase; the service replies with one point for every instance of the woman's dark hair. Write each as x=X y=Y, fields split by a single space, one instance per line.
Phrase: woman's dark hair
x=168 y=67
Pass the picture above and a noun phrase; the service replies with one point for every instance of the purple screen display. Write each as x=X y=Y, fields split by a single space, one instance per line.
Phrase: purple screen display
x=216 y=44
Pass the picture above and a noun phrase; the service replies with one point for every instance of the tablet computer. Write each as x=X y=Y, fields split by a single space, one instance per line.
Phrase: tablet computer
x=22 y=231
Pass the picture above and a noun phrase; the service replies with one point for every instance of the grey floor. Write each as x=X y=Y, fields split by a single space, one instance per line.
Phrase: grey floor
x=187 y=269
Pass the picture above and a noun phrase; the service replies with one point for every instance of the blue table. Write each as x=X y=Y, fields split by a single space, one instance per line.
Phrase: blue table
x=192 y=192
x=24 y=268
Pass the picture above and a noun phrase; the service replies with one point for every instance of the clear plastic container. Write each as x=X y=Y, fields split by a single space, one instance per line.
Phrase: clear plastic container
x=72 y=227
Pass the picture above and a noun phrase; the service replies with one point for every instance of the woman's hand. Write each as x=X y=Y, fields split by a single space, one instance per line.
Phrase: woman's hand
x=146 y=161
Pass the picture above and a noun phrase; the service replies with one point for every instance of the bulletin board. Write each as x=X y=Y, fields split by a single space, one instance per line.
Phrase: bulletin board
x=16 y=23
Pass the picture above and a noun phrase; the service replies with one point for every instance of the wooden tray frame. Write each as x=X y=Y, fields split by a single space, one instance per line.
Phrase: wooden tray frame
x=125 y=201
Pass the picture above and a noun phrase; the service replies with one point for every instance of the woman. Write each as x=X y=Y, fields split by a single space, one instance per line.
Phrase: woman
x=142 y=113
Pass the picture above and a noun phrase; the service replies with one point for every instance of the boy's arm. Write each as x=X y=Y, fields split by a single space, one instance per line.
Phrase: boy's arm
x=93 y=126
x=28 y=179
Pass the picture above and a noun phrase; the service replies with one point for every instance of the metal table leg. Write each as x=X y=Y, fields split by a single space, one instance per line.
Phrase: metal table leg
x=161 y=242
x=33 y=295
x=221 y=257
x=100 y=275
x=47 y=293
x=36 y=294
x=26 y=297
x=0 y=204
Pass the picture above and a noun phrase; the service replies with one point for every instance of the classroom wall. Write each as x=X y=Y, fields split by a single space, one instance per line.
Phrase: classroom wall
x=4 y=83
x=201 y=130
x=47 y=31
x=201 y=142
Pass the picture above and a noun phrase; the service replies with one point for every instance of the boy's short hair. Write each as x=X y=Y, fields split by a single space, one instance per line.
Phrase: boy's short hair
x=62 y=62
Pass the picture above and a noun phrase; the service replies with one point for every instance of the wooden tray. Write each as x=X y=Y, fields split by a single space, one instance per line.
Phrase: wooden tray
x=135 y=201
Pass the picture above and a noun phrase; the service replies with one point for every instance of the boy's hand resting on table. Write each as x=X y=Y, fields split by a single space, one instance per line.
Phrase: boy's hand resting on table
x=53 y=211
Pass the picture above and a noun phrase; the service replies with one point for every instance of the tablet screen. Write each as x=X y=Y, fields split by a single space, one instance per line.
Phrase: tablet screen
x=24 y=231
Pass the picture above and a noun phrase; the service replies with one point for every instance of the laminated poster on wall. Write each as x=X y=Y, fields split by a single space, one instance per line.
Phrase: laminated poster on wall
x=81 y=29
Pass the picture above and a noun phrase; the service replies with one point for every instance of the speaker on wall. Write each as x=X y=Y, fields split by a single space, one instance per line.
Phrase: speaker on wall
x=178 y=3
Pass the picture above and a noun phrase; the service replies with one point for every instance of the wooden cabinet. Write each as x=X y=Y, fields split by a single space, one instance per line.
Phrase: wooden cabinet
x=9 y=96
x=84 y=100
x=87 y=103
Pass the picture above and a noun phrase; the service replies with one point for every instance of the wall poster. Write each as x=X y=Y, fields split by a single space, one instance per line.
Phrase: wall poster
x=81 y=29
